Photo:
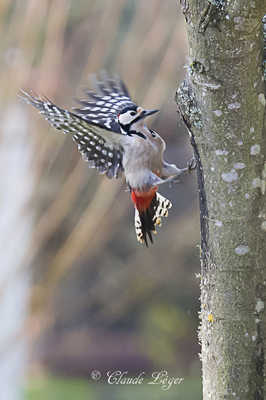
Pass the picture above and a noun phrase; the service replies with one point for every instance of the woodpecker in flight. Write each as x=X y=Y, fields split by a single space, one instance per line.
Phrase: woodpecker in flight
x=110 y=132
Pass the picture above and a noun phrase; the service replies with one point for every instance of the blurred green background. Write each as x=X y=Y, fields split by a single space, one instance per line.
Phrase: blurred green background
x=87 y=295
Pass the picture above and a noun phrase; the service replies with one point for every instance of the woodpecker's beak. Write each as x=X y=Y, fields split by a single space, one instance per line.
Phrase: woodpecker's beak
x=147 y=113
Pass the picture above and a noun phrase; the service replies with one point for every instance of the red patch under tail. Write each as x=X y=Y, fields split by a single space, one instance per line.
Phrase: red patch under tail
x=146 y=204
x=150 y=207
x=142 y=200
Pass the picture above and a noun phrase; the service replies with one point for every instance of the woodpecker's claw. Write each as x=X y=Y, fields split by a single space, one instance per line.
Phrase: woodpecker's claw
x=192 y=164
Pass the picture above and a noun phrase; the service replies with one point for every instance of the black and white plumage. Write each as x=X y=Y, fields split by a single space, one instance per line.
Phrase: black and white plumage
x=96 y=144
x=111 y=135
x=103 y=105
x=146 y=222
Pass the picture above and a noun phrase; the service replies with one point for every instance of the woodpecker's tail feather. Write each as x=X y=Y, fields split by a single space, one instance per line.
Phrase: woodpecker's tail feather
x=147 y=220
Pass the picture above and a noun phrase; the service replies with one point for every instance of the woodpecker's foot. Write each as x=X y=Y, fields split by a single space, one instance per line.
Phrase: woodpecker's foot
x=175 y=180
x=181 y=172
x=192 y=164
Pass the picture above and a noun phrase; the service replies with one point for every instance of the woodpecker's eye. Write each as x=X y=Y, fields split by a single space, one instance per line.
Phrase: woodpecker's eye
x=132 y=113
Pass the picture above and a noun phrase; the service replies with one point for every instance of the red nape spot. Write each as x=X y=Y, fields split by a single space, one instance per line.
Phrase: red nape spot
x=142 y=200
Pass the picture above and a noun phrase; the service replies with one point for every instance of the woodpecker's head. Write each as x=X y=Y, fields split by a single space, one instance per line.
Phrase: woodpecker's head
x=133 y=115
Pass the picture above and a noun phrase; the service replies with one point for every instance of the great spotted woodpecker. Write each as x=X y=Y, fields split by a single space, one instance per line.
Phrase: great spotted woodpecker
x=110 y=132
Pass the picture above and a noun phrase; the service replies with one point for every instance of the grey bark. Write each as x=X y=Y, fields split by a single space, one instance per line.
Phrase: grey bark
x=222 y=102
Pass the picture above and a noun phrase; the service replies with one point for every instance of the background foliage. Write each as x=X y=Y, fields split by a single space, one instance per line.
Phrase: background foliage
x=98 y=299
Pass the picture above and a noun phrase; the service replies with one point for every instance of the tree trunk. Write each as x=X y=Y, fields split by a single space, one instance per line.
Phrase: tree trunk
x=222 y=102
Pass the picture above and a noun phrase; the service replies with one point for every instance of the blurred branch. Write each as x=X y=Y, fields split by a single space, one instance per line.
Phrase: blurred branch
x=60 y=207
x=80 y=237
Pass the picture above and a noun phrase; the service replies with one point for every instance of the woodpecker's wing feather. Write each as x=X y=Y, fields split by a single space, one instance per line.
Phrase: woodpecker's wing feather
x=104 y=104
x=101 y=148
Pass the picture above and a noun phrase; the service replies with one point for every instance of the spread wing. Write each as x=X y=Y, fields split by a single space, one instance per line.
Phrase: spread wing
x=101 y=148
x=102 y=105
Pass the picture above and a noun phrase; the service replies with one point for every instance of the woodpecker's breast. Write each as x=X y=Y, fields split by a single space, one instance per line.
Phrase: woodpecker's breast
x=141 y=157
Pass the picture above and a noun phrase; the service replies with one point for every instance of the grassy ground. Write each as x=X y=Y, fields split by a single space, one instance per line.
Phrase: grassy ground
x=69 y=389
